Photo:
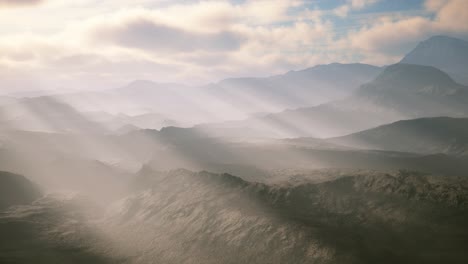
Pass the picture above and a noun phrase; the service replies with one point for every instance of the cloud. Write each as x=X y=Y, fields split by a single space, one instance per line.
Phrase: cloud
x=360 y=4
x=343 y=10
x=434 y=5
x=389 y=36
x=452 y=15
x=149 y=35
x=201 y=41
x=13 y=3
x=236 y=39
x=267 y=11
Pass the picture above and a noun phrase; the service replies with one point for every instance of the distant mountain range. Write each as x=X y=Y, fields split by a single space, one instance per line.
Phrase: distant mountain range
x=401 y=91
x=146 y=104
x=46 y=114
x=294 y=89
x=321 y=101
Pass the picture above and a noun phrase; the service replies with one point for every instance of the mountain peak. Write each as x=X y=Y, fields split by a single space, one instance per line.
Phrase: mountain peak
x=446 y=53
x=435 y=47
x=416 y=78
x=442 y=38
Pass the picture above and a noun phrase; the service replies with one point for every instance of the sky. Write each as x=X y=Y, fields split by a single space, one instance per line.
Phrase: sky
x=84 y=44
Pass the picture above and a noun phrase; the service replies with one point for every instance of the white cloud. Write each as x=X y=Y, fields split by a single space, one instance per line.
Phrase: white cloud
x=452 y=15
x=343 y=10
x=388 y=37
x=216 y=39
x=359 y=4
x=145 y=34
x=202 y=41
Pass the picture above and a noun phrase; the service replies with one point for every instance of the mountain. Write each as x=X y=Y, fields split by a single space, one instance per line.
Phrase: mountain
x=172 y=101
x=139 y=121
x=80 y=162
x=142 y=103
x=148 y=104
x=426 y=135
x=413 y=90
x=65 y=113
x=16 y=190
x=401 y=91
x=256 y=159
x=308 y=87
x=86 y=163
x=57 y=228
x=446 y=53
x=201 y=217
x=46 y=114
x=359 y=218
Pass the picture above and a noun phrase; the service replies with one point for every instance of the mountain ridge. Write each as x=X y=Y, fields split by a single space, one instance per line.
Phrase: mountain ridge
x=293 y=223
x=446 y=53
x=432 y=93
x=425 y=135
